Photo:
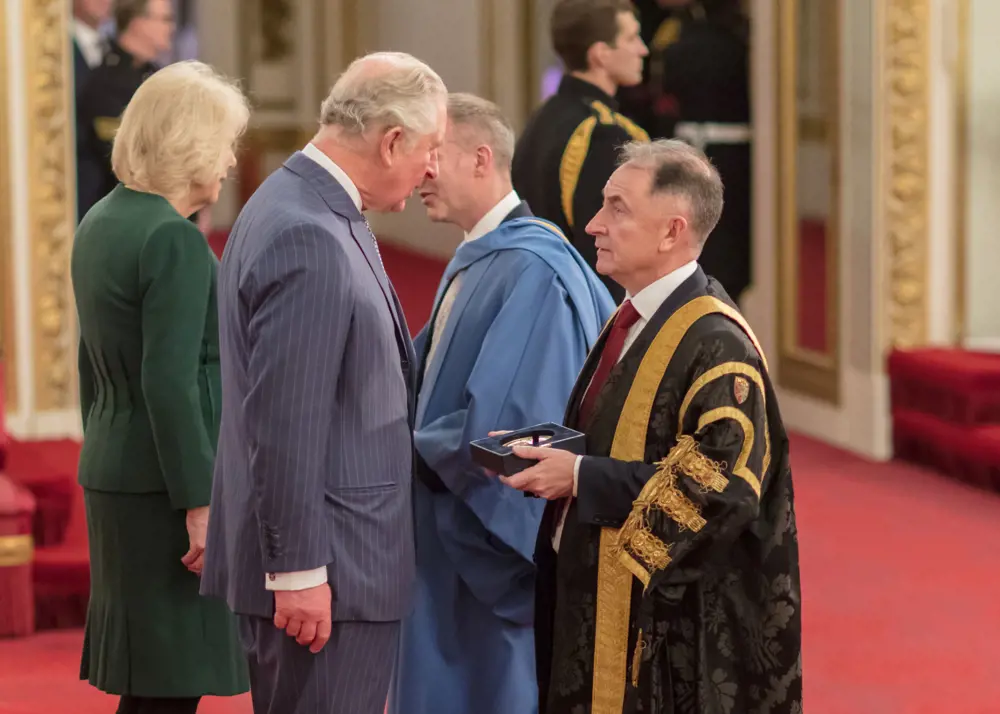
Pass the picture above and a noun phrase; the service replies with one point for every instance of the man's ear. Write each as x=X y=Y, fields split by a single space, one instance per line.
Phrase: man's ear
x=391 y=145
x=484 y=160
x=596 y=54
x=672 y=232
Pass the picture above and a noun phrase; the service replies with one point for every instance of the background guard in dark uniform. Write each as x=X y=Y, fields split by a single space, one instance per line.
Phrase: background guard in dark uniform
x=698 y=89
x=570 y=146
x=145 y=31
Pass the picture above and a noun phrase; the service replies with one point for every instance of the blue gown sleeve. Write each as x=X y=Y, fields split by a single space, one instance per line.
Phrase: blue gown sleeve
x=526 y=367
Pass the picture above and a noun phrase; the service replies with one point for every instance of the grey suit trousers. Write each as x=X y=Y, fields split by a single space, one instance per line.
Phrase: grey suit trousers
x=350 y=675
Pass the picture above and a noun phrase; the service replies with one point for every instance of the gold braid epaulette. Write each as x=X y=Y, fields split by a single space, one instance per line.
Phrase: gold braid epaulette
x=636 y=538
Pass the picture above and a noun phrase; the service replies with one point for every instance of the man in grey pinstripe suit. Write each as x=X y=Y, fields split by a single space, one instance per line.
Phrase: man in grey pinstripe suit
x=311 y=530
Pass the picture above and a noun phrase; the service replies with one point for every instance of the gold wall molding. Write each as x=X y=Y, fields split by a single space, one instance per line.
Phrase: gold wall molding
x=51 y=198
x=7 y=348
x=810 y=372
x=903 y=108
x=962 y=11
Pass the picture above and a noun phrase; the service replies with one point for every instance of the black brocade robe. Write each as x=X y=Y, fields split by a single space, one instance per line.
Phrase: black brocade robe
x=713 y=586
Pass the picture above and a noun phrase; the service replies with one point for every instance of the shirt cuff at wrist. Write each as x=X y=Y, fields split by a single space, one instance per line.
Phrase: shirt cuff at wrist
x=302 y=580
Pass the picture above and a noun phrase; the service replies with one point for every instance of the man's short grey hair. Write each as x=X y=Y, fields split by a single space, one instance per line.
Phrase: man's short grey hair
x=680 y=169
x=486 y=123
x=382 y=90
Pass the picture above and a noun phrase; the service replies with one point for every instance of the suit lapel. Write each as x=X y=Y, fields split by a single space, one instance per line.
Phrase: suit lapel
x=365 y=240
x=586 y=374
x=408 y=357
x=340 y=203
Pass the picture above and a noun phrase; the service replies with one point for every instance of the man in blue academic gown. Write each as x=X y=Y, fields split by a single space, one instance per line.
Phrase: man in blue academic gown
x=514 y=318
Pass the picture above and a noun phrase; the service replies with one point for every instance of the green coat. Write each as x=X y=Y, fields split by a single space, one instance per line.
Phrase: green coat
x=144 y=282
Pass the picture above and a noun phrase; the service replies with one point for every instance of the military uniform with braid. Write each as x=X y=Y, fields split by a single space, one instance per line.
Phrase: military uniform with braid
x=568 y=151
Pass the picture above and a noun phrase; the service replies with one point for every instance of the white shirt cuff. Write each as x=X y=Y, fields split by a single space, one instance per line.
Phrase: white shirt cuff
x=576 y=474
x=302 y=580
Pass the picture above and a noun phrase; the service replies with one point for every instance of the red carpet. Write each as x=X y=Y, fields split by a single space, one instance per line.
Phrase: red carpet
x=899 y=599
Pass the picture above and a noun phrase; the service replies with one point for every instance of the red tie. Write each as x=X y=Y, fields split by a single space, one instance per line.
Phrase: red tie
x=626 y=317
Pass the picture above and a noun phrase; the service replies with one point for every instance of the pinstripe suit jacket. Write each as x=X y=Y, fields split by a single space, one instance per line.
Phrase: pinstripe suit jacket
x=315 y=449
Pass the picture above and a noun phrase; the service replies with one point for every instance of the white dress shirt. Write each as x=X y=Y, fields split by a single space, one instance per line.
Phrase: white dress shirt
x=646 y=302
x=313 y=152
x=90 y=42
x=312 y=578
x=489 y=222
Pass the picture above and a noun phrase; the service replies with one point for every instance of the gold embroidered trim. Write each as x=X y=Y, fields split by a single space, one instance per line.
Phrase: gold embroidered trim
x=740 y=469
x=661 y=492
x=549 y=226
x=667 y=34
x=744 y=370
x=688 y=460
x=634 y=130
x=679 y=507
x=650 y=549
x=571 y=164
x=616 y=566
x=604 y=112
x=633 y=566
x=614 y=597
x=607 y=116
x=640 y=646
x=722 y=370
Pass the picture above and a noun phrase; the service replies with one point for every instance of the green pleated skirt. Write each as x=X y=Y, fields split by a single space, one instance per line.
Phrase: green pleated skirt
x=149 y=633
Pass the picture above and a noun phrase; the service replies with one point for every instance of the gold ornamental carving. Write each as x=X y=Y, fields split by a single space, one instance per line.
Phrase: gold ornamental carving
x=51 y=201
x=905 y=165
x=7 y=351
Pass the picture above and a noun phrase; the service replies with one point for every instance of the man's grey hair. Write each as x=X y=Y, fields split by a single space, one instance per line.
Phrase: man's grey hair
x=486 y=122
x=385 y=89
x=680 y=169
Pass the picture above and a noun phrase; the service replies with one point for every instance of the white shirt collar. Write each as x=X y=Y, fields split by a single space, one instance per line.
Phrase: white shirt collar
x=648 y=300
x=90 y=42
x=338 y=173
x=494 y=217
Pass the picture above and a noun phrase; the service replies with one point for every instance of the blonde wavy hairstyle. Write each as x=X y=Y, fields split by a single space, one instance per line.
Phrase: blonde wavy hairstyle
x=178 y=130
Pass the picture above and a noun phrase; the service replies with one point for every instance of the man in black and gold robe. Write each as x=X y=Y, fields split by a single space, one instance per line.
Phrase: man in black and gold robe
x=668 y=555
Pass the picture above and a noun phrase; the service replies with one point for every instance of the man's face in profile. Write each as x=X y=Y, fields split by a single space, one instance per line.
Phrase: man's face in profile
x=625 y=59
x=447 y=193
x=412 y=165
x=633 y=226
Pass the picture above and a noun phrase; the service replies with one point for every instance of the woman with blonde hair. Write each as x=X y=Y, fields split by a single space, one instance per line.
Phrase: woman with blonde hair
x=144 y=281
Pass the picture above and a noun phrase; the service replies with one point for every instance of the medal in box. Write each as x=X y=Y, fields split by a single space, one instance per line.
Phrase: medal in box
x=496 y=453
